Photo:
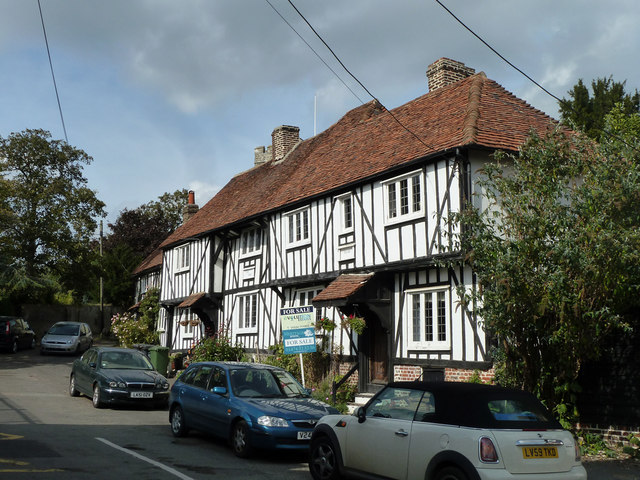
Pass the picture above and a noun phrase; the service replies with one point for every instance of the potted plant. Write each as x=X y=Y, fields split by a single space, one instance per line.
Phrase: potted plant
x=355 y=323
x=326 y=324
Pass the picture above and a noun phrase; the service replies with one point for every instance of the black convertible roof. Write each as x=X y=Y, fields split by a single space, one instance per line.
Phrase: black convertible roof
x=467 y=404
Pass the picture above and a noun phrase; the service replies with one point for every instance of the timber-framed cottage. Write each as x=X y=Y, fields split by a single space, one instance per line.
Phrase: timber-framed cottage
x=354 y=222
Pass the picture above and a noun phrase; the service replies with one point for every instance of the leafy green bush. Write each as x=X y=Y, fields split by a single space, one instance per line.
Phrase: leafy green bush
x=216 y=348
x=130 y=330
x=594 y=444
x=344 y=395
x=279 y=359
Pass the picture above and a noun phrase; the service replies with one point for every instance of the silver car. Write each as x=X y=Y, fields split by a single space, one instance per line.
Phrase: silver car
x=67 y=337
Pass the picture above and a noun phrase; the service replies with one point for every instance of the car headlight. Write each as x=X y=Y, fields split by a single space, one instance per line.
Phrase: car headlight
x=117 y=385
x=164 y=385
x=267 y=421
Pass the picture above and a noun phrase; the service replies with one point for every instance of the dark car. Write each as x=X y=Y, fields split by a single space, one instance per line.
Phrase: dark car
x=67 y=337
x=15 y=333
x=111 y=375
x=446 y=431
x=251 y=405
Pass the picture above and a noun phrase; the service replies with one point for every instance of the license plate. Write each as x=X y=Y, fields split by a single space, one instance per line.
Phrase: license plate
x=141 y=395
x=539 y=452
x=304 y=435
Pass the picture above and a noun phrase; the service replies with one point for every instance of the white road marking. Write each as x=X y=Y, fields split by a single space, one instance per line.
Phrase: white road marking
x=145 y=459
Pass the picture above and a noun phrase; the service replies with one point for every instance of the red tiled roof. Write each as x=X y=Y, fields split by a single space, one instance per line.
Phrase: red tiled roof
x=343 y=287
x=368 y=141
x=191 y=300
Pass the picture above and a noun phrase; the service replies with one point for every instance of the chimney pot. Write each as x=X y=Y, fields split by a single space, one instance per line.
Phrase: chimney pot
x=190 y=209
x=445 y=71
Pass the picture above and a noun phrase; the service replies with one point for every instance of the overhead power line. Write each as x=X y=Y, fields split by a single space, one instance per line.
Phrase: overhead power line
x=55 y=86
x=312 y=49
x=431 y=147
x=560 y=101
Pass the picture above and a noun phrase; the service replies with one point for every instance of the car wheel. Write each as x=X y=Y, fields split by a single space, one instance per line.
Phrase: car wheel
x=450 y=473
x=323 y=460
x=97 y=397
x=178 y=424
x=14 y=347
x=240 y=442
x=72 y=386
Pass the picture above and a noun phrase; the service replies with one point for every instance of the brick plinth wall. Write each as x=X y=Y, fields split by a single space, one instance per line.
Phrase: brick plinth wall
x=460 y=375
x=406 y=373
x=613 y=435
x=343 y=369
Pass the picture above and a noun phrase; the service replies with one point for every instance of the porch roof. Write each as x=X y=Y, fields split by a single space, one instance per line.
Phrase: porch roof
x=342 y=289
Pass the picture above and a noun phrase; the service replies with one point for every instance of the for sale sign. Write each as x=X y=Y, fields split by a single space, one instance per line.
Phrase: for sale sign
x=298 y=329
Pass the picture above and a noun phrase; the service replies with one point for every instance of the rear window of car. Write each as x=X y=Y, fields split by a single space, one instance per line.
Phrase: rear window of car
x=517 y=410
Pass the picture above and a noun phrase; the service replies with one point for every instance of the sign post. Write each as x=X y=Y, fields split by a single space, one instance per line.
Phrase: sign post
x=298 y=331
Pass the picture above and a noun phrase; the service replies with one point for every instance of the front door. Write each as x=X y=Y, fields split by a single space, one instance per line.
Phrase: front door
x=374 y=355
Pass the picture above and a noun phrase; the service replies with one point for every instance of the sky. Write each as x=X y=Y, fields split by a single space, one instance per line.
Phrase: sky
x=165 y=95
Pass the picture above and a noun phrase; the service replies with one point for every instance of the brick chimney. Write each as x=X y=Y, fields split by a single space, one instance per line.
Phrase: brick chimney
x=190 y=209
x=262 y=155
x=283 y=139
x=445 y=71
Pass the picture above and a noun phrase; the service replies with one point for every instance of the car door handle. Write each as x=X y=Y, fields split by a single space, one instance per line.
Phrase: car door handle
x=402 y=433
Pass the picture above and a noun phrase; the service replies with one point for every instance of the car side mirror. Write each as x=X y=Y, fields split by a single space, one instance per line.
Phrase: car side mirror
x=361 y=413
x=219 y=390
x=92 y=365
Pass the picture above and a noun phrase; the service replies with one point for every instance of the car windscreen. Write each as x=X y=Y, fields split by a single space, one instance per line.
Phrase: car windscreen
x=64 y=330
x=254 y=382
x=125 y=360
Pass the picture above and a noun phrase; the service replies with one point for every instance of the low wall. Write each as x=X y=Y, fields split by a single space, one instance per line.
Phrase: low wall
x=41 y=317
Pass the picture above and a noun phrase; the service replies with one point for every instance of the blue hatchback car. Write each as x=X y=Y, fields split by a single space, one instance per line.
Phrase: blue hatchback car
x=252 y=405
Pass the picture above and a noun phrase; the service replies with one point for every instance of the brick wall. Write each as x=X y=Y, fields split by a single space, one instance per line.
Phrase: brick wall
x=462 y=375
x=614 y=435
x=406 y=373
x=343 y=369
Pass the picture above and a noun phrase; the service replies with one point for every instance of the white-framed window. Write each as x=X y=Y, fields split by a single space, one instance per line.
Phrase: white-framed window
x=182 y=258
x=251 y=241
x=404 y=197
x=429 y=318
x=248 y=313
x=298 y=227
x=303 y=299
x=345 y=203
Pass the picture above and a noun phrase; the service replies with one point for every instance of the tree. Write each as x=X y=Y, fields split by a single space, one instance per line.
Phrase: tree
x=134 y=235
x=557 y=255
x=587 y=113
x=47 y=212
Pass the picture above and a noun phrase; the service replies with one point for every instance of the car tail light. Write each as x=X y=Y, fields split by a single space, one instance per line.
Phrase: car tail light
x=488 y=452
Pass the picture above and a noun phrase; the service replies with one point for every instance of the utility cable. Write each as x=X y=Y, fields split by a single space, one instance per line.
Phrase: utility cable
x=431 y=147
x=560 y=101
x=55 y=86
x=316 y=53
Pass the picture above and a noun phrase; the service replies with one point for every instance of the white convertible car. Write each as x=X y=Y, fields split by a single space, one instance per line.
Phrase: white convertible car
x=445 y=431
